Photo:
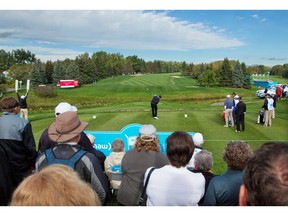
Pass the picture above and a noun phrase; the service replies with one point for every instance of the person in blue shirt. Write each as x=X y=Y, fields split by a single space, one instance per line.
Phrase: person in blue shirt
x=228 y=108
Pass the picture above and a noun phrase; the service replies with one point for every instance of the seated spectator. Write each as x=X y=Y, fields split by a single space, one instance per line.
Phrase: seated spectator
x=266 y=177
x=203 y=162
x=59 y=185
x=146 y=153
x=190 y=186
x=198 y=142
x=46 y=143
x=114 y=160
x=66 y=131
x=223 y=190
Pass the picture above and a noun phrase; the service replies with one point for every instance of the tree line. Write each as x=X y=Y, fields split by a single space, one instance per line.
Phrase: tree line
x=22 y=65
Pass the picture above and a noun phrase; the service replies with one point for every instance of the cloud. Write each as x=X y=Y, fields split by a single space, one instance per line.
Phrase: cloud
x=277 y=59
x=258 y=18
x=108 y=29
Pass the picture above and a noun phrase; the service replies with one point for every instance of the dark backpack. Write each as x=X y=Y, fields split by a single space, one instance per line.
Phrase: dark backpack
x=51 y=159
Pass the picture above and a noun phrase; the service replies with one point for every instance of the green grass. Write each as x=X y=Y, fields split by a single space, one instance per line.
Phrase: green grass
x=123 y=100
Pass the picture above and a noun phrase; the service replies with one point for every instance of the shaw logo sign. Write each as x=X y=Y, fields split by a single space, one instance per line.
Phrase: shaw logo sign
x=104 y=139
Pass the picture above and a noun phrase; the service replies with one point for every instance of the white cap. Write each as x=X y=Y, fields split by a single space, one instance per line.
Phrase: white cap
x=198 y=139
x=228 y=96
x=236 y=97
x=64 y=107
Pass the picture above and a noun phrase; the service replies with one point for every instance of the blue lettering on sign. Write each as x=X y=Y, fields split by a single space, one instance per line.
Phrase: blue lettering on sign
x=104 y=139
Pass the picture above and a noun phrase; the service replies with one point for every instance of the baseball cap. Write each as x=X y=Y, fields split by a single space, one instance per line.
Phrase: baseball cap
x=147 y=132
x=228 y=96
x=64 y=107
x=198 y=139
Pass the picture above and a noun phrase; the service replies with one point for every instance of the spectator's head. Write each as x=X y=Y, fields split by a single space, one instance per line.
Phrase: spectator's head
x=266 y=177
x=118 y=145
x=147 y=139
x=9 y=104
x=64 y=107
x=198 y=139
x=59 y=185
x=91 y=138
x=236 y=154
x=67 y=127
x=180 y=148
x=203 y=161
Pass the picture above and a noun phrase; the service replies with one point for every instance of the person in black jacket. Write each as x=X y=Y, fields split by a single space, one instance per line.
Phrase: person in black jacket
x=16 y=138
x=154 y=102
x=23 y=105
x=240 y=115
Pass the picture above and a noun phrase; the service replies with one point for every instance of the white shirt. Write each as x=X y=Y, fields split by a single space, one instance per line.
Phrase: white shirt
x=171 y=186
x=191 y=162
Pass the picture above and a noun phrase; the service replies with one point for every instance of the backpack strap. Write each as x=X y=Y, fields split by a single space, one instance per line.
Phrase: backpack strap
x=51 y=159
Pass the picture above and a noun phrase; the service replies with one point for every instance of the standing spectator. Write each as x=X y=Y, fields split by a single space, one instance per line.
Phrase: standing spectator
x=240 y=115
x=203 y=162
x=223 y=190
x=46 y=143
x=17 y=140
x=190 y=186
x=59 y=185
x=235 y=101
x=6 y=181
x=146 y=153
x=23 y=105
x=268 y=107
x=100 y=155
x=66 y=131
x=274 y=97
x=265 y=177
x=198 y=142
x=228 y=105
x=279 y=92
x=154 y=102
x=115 y=159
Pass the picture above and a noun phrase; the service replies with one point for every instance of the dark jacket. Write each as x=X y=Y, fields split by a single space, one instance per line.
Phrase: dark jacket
x=45 y=143
x=223 y=190
x=22 y=101
x=88 y=167
x=6 y=181
x=155 y=100
x=17 y=139
x=240 y=108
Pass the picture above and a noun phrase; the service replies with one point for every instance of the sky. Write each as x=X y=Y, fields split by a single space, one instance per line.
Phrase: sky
x=255 y=35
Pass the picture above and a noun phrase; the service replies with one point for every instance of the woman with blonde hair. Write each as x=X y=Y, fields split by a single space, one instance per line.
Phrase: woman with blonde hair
x=55 y=185
x=146 y=153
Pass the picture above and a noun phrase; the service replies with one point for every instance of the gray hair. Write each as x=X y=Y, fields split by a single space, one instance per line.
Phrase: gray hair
x=203 y=160
x=118 y=145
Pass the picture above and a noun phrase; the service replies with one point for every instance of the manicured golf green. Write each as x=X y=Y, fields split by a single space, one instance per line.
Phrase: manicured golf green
x=122 y=100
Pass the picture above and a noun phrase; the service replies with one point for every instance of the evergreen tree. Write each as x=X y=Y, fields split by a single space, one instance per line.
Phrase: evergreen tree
x=238 y=76
x=38 y=74
x=225 y=73
x=49 y=68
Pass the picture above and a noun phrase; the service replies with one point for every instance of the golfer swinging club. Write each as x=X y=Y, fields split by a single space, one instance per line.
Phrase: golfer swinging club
x=155 y=100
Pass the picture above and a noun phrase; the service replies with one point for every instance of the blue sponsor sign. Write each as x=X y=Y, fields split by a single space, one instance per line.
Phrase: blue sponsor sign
x=129 y=133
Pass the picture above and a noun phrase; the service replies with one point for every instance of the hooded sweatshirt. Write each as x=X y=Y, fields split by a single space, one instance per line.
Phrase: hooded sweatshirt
x=114 y=159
